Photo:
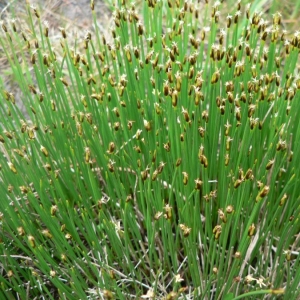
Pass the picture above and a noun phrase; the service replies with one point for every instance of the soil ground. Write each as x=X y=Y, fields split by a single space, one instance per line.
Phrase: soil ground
x=75 y=12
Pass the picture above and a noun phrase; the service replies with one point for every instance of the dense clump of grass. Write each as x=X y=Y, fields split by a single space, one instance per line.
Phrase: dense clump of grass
x=158 y=163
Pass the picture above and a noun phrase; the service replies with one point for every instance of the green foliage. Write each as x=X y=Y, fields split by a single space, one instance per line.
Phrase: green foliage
x=159 y=162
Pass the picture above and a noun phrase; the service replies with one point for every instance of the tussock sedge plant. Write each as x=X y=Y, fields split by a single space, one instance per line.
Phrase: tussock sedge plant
x=160 y=162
